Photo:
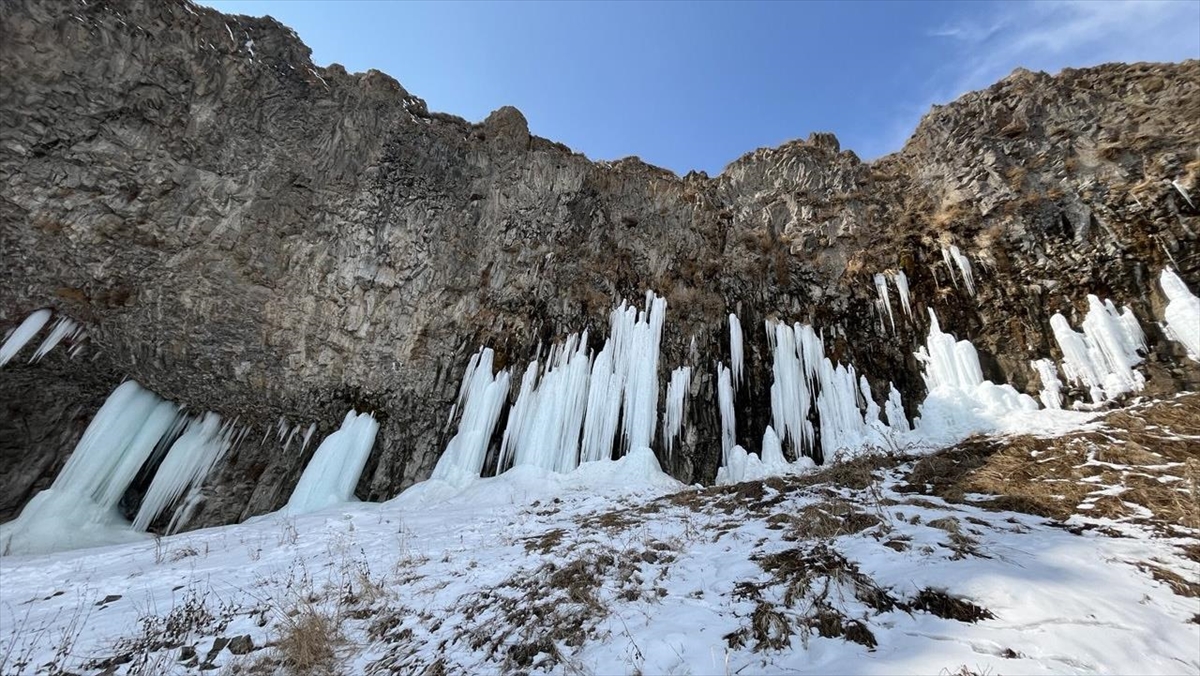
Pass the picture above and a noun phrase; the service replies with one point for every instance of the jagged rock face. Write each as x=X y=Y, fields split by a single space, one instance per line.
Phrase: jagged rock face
x=247 y=233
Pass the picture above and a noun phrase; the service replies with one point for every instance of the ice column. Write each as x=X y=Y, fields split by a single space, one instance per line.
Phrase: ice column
x=481 y=397
x=336 y=466
x=882 y=288
x=901 y=281
x=1051 y=394
x=725 y=403
x=1182 y=314
x=1103 y=357
x=23 y=334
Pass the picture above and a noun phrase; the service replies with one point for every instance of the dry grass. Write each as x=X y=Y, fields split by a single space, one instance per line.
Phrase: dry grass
x=1149 y=452
x=308 y=642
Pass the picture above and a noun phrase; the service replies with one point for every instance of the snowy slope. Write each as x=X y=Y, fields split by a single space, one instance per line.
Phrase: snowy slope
x=615 y=569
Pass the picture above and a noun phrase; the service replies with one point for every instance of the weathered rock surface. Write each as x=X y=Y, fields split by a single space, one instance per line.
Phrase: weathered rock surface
x=244 y=232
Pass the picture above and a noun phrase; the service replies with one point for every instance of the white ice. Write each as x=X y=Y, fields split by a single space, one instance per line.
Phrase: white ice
x=64 y=327
x=190 y=459
x=336 y=466
x=21 y=335
x=901 y=281
x=881 y=288
x=676 y=406
x=481 y=398
x=544 y=423
x=1182 y=314
x=1103 y=357
x=725 y=405
x=735 y=349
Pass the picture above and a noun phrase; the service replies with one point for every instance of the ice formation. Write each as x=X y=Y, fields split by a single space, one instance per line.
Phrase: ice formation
x=480 y=398
x=894 y=410
x=80 y=507
x=21 y=335
x=1182 y=315
x=796 y=351
x=189 y=461
x=725 y=405
x=901 y=281
x=676 y=409
x=1051 y=393
x=545 y=421
x=964 y=267
x=1103 y=357
x=882 y=288
x=735 y=349
x=334 y=470
x=64 y=327
x=959 y=400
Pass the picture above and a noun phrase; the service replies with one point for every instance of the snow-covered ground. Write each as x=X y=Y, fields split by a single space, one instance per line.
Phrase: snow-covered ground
x=614 y=569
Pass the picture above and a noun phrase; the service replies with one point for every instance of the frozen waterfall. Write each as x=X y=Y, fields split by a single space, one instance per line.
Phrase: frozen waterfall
x=1182 y=315
x=480 y=398
x=1102 y=357
x=334 y=470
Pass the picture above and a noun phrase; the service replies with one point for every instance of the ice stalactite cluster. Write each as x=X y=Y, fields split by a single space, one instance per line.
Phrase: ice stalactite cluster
x=675 y=412
x=63 y=328
x=956 y=258
x=960 y=400
x=544 y=423
x=1051 y=393
x=571 y=409
x=334 y=470
x=1182 y=314
x=1102 y=358
x=480 y=399
x=736 y=355
x=129 y=432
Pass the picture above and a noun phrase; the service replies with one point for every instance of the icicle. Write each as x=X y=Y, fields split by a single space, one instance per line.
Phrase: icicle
x=735 y=349
x=964 y=266
x=188 y=462
x=1182 y=314
x=483 y=397
x=901 y=281
x=882 y=288
x=677 y=393
x=64 y=327
x=307 y=436
x=790 y=391
x=1183 y=193
x=23 y=334
x=772 y=449
x=725 y=404
x=949 y=260
x=640 y=410
x=336 y=466
x=1051 y=394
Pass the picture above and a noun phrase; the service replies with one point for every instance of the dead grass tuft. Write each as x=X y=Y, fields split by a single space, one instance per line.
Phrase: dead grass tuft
x=941 y=604
x=308 y=642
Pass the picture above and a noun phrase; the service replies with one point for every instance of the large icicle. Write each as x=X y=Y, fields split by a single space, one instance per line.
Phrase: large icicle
x=336 y=466
x=791 y=396
x=725 y=404
x=1103 y=357
x=901 y=281
x=676 y=410
x=189 y=461
x=881 y=288
x=735 y=349
x=64 y=327
x=894 y=410
x=79 y=508
x=21 y=335
x=1051 y=394
x=1182 y=315
x=482 y=396
x=964 y=266
x=640 y=409
x=545 y=422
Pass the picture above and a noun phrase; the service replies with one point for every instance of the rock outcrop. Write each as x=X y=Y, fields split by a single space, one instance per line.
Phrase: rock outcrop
x=244 y=232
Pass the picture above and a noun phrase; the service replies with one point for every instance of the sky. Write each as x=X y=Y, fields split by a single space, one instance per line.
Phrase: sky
x=695 y=85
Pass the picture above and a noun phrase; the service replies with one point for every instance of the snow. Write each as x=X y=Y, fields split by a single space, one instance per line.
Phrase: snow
x=79 y=508
x=191 y=458
x=676 y=406
x=1103 y=357
x=735 y=349
x=23 y=334
x=333 y=472
x=1051 y=394
x=685 y=576
x=481 y=397
x=1182 y=314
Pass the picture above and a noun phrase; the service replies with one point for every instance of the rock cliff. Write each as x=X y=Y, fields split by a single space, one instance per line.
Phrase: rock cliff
x=245 y=232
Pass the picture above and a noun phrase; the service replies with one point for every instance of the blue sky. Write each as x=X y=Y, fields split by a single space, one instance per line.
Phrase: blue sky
x=695 y=85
